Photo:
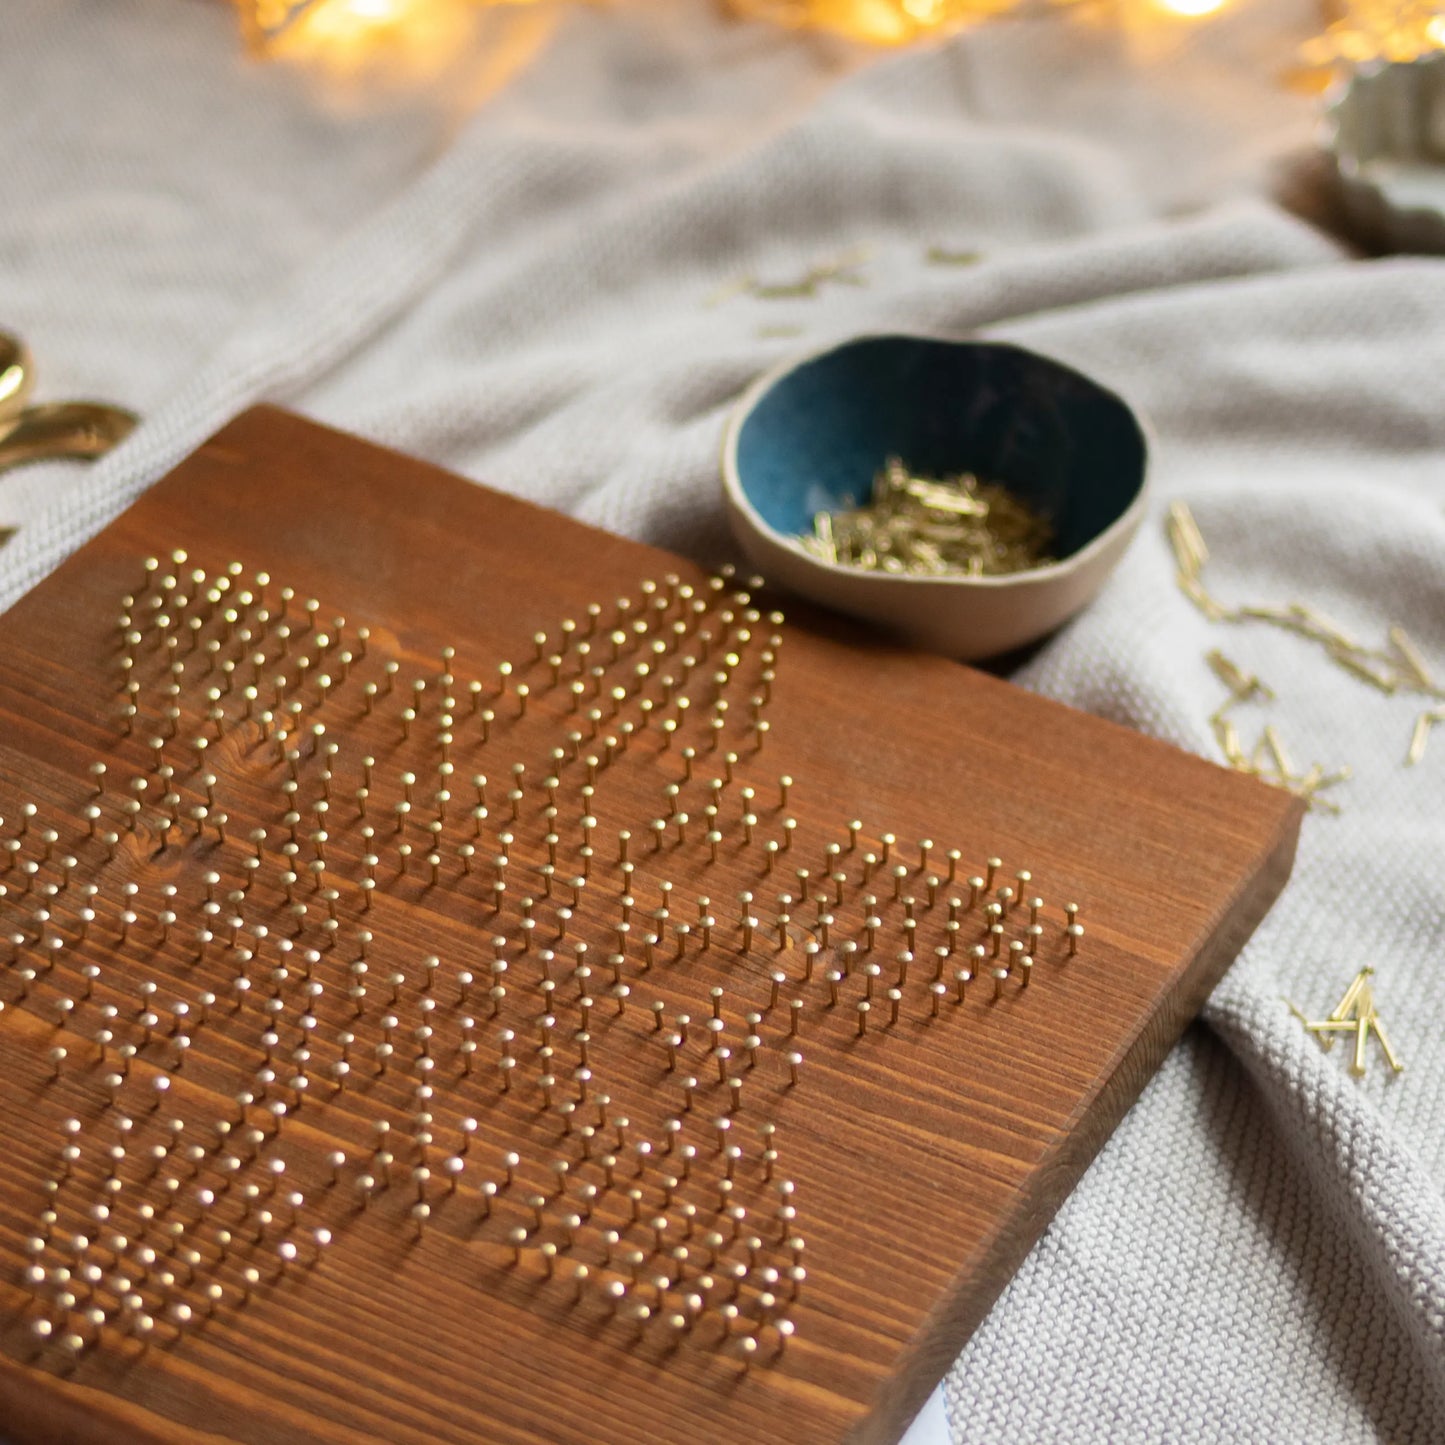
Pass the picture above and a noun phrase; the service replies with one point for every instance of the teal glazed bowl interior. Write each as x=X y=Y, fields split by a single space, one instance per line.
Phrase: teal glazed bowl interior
x=811 y=435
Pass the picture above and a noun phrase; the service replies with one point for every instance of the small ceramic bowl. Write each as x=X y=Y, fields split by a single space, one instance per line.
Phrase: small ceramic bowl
x=812 y=433
x=1385 y=128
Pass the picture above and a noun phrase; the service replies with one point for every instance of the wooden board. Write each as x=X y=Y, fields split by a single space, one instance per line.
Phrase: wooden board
x=874 y=1207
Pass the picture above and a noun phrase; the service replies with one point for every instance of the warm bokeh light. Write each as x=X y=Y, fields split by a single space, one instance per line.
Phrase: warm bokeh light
x=350 y=34
x=345 y=31
x=359 y=22
x=875 y=22
x=1190 y=9
x=1361 y=30
x=263 y=20
x=459 y=52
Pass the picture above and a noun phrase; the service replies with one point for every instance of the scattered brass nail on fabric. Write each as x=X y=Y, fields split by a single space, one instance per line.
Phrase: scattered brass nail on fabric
x=1397 y=667
x=943 y=256
x=1355 y=1013
x=1268 y=761
x=844 y=270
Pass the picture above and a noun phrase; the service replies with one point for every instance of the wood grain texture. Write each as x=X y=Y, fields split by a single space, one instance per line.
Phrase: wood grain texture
x=925 y=1157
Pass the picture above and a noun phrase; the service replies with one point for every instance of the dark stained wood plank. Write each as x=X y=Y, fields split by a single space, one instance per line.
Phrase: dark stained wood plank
x=924 y=1157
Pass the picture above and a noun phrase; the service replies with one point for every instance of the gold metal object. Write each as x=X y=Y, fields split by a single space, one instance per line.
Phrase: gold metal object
x=17 y=376
x=1184 y=536
x=1268 y=761
x=919 y=526
x=1418 y=739
x=1409 y=654
x=1398 y=667
x=1228 y=736
x=1243 y=686
x=1421 y=735
x=1355 y=1013
x=844 y=269
x=79 y=430
x=1350 y=660
x=1276 y=752
x=943 y=256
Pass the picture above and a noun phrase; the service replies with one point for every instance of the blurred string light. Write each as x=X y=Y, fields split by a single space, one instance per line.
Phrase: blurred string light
x=1190 y=9
x=349 y=28
x=460 y=51
x=879 y=22
x=350 y=31
x=266 y=22
x=1361 y=30
x=1352 y=30
x=898 y=22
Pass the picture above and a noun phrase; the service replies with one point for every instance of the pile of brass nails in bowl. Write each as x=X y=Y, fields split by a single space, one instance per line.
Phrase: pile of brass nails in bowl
x=933 y=527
